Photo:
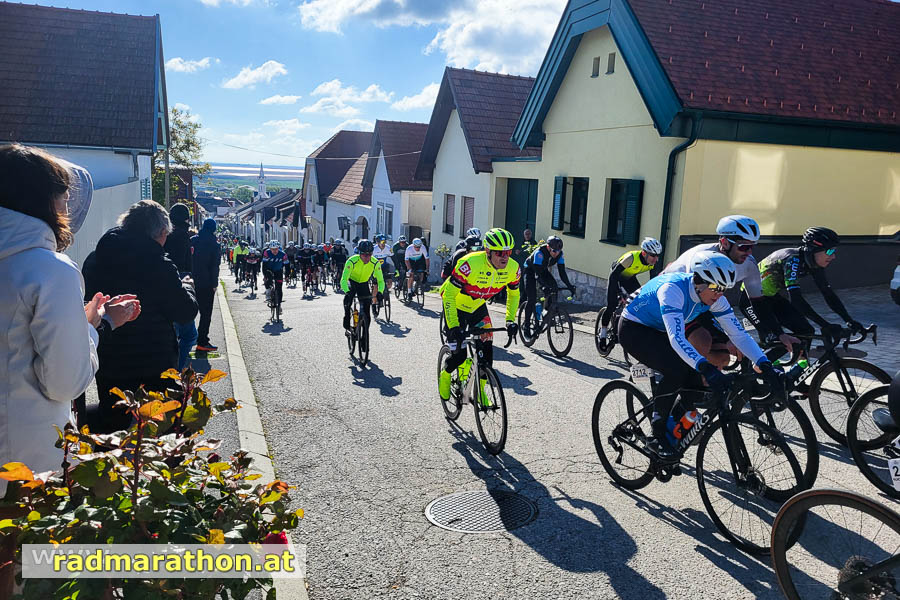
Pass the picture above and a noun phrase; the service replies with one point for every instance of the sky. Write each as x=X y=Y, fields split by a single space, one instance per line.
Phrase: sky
x=276 y=78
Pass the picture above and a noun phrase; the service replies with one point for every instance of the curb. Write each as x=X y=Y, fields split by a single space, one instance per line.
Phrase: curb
x=250 y=430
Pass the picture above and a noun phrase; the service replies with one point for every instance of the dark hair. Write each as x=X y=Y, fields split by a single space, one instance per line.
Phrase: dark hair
x=31 y=180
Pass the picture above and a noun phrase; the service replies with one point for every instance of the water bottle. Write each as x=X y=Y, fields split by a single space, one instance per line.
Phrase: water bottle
x=538 y=310
x=795 y=371
x=355 y=318
x=678 y=429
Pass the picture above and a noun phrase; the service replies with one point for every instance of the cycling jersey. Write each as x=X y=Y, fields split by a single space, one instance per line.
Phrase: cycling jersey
x=473 y=281
x=356 y=270
x=339 y=254
x=252 y=259
x=636 y=266
x=668 y=302
x=385 y=256
x=413 y=253
x=305 y=257
x=238 y=252
x=541 y=259
x=319 y=259
x=274 y=261
x=747 y=272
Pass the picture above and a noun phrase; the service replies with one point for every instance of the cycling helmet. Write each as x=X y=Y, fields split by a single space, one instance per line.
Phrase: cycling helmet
x=651 y=246
x=417 y=242
x=555 y=243
x=714 y=267
x=498 y=239
x=380 y=238
x=365 y=247
x=402 y=238
x=473 y=241
x=738 y=226
x=339 y=242
x=320 y=247
x=816 y=239
x=473 y=231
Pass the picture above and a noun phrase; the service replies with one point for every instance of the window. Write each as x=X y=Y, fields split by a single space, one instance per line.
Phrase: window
x=623 y=222
x=146 y=189
x=570 y=205
x=388 y=221
x=595 y=72
x=611 y=63
x=449 y=212
x=379 y=221
x=468 y=216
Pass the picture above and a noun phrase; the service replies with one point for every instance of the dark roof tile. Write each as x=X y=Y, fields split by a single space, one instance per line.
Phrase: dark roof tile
x=337 y=156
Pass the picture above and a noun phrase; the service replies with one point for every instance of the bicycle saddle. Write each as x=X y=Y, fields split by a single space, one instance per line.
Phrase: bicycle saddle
x=884 y=420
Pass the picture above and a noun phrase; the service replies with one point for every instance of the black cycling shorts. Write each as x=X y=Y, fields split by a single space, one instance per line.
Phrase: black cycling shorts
x=707 y=322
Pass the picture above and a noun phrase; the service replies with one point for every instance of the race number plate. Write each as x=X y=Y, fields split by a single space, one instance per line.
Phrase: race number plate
x=747 y=324
x=894 y=468
x=640 y=373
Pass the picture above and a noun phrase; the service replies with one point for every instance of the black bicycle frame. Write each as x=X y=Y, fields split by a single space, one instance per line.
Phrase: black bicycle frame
x=849 y=587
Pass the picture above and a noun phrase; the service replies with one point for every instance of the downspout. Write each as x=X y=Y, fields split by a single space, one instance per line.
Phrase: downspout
x=696 y=121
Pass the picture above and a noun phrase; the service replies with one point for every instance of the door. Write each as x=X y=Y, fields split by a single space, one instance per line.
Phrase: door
x=521 y=206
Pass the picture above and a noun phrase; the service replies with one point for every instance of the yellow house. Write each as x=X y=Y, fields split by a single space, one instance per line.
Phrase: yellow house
x=658 y=118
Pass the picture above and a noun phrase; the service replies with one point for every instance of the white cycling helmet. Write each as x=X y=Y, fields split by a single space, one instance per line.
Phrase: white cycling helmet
x=274 y=244
x=651 y=246
x=417 y=242
x=738 y=226
x=339 y=242
x=714 y=267
x=474 y=231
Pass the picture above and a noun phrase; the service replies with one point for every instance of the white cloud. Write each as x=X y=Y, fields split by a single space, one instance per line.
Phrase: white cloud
x=220 y=2
x=180 y=65
x=287 y=126
x=291 y=149
x=355 y=125
x=194 y=118
x=336 y=90
x=424 y=99
x=329 y=15
x=279 y=99
x=182 y=106
x=249 y=77
x=331 y=106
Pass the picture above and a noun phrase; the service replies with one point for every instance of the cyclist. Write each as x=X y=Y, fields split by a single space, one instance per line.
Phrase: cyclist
x=737 y=236
x=305 y=262
x=399 y=250
x=251 y=264
x=339 y=255
x=358 y=269
x=537 y=267
x=623 y=279
x=274 y=261
x=320 y=260
x=477 y=277
x=385 y=257
x=466 y=242
x=781 y=271
x=240 y=251
x=652 y=330
x=470 y=244
x=417 y=261
x=292 y=250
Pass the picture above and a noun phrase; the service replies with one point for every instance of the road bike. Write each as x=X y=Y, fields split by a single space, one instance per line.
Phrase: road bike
x=743 y=478
x=322 y=277
x=309 y=284
x=605 y=345
x=358 y=337
x=836 y=544
x=490 y=410
x=874 y=440
x=554 y=319
x=400 y=283
x=271 y=299
x=418 y=290
x=385 y=301
x=250 y=278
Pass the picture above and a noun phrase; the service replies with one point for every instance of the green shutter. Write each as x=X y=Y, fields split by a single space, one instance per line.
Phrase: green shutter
x=634 y=193
x=559 y=202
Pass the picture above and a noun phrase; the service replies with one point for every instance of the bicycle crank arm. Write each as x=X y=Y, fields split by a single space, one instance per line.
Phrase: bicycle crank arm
x=861 y=582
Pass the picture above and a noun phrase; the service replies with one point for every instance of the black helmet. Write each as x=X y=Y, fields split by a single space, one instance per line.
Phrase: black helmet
x=473 y=241
x=365 y=247
x=816 y=239
x=179 y=213
x=555 y=242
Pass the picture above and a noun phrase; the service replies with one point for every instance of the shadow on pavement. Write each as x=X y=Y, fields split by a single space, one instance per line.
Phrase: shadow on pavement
x=580 y=367
x=276 y=328
x=392 y=329
x=560 y=534
x=507 y=355
x=372 y=377
x=520 y=385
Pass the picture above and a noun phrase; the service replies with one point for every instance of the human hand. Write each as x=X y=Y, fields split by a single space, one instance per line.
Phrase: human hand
x=93 y=309
x=788 y=341
x=122 y=309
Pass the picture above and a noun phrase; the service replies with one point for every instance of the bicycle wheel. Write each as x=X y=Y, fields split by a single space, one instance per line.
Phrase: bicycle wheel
x=387 y=307
x=453 y=406
x=560 y=333
x=604 y=346
x=822 y=539
x=323 y=282
x=617 y=433
x=870 y=445
x=351 y=340
x=397 y=286
x=527 y=340
x=420 y=293
x=798 y=431
x=743 y=507
x=443 y=322
x=363 y=345
x=490 y=415
x=833 y=390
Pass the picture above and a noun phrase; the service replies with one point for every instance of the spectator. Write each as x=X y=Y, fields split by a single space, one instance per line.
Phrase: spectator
x=130 y=259
x=524 y=250
x=205 y=253
x=178 y=247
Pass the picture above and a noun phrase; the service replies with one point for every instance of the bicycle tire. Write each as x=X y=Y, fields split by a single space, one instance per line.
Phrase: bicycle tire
x=859 y=448
x=362 y=345
x=420 y=293
x=528 y=342
x=323 y=281
x=835 y=427
x=763 y=491
x=498 y=408
x=603 y=349
x=800 y=437
x=453 y=406
x=793 y=518
x=632 y=391
x=442 y=323
x=387 y=307
x=557 y=314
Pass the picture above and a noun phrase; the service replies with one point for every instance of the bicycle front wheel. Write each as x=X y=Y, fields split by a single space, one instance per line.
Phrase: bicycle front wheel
x=742 y=483
x=619 y=427
x=834 y=389
x=821 y=539
x=387 y=307
x=560 y=333
x=442 y=324
x=871 y=446
x=362 y=345
x=452 y=406
x=527 y=341
x=490 y=411
x=420 y=294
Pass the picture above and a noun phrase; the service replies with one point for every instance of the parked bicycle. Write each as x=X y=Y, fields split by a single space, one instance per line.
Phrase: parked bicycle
x=551 y=316
x=358 y=338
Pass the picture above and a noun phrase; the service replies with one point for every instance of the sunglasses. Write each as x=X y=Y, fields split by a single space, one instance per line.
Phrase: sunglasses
x=715 y=287
x=831 y=251
x=502 y=252
x=743 y=247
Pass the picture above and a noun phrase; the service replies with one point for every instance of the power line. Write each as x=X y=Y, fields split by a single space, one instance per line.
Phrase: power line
x=305 y=157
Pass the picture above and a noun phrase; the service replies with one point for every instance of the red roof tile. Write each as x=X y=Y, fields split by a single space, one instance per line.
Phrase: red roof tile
x=335 y=157
x=350 y=190
x=401 y=143
x=815 y=59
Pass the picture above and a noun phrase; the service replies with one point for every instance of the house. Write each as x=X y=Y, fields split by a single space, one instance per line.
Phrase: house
x=469 y=132
x=336 y=203
x=266 y=218
x=658 y=118
x=402 y=203
x=89 y=87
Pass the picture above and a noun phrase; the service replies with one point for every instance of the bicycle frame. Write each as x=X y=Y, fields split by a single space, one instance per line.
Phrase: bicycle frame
x=851 y=586
x=473 y=343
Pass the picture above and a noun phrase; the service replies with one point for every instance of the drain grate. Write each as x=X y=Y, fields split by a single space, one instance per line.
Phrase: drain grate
x=481 y=511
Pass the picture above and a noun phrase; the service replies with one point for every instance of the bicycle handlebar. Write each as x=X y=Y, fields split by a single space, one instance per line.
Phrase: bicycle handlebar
x=860 y=336
x=473 y=331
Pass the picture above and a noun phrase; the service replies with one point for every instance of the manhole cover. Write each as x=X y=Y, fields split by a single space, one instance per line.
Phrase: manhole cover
x=481 y=511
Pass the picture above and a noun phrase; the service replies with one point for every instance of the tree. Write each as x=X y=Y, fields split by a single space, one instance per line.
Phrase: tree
x=185 y=150
x=243 y=194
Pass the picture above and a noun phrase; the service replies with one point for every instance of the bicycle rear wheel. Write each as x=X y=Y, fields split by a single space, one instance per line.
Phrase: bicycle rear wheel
x=560 y=333
x=618 y=425
x=527 y=340
x=871 y=446
x=822 y=539
x=834 y=389
x=798 y=431
x=604 y=346
x=362 y=345
x=453 y=406
x=420 y=293
x=490 y=413
x=743 y=507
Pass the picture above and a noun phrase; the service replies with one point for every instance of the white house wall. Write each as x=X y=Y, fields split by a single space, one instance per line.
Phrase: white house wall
x=382 y=195
x=106 y=206
x=106 y=167
x=417 y=209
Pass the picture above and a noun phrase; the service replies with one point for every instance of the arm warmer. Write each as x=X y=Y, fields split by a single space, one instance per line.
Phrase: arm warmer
x=834 y=303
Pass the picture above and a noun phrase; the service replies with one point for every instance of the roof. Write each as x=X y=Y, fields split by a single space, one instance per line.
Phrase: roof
x=350 y=190
x=808 y=71
x=488 y=105
x=346 y=146
x=401 y=143
x=79 y=77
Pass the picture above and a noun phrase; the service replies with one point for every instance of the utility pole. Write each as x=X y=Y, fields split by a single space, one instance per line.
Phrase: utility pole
x=168 y=185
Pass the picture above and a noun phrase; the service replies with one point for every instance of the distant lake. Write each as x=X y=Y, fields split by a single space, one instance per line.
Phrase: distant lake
x=252 y=171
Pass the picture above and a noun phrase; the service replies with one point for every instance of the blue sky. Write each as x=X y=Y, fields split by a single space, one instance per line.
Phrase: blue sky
x=282 y=76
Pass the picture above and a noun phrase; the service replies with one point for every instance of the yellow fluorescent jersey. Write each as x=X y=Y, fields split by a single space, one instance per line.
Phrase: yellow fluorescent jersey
x=473 y=281
x=356 y=270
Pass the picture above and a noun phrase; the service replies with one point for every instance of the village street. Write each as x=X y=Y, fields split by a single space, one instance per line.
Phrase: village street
x=369 y=449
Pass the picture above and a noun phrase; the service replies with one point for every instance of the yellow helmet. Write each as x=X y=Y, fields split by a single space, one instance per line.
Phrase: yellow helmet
x=498 y=239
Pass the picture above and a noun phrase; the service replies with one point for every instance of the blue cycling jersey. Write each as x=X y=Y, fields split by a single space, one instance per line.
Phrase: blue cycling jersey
x=678 y=297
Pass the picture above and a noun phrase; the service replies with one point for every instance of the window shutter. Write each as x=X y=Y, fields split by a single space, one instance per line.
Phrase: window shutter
x=559 y=202
x=634 y=193
x=449 y=213
x=468 y=214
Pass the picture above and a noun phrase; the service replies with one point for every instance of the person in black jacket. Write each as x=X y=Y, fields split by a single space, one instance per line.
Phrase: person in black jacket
x=205 y=269
x=537 y=270
x=178 y=247
x=129 y=259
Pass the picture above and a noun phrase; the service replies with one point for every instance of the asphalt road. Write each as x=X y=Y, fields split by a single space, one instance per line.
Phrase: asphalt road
x=369 y=448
